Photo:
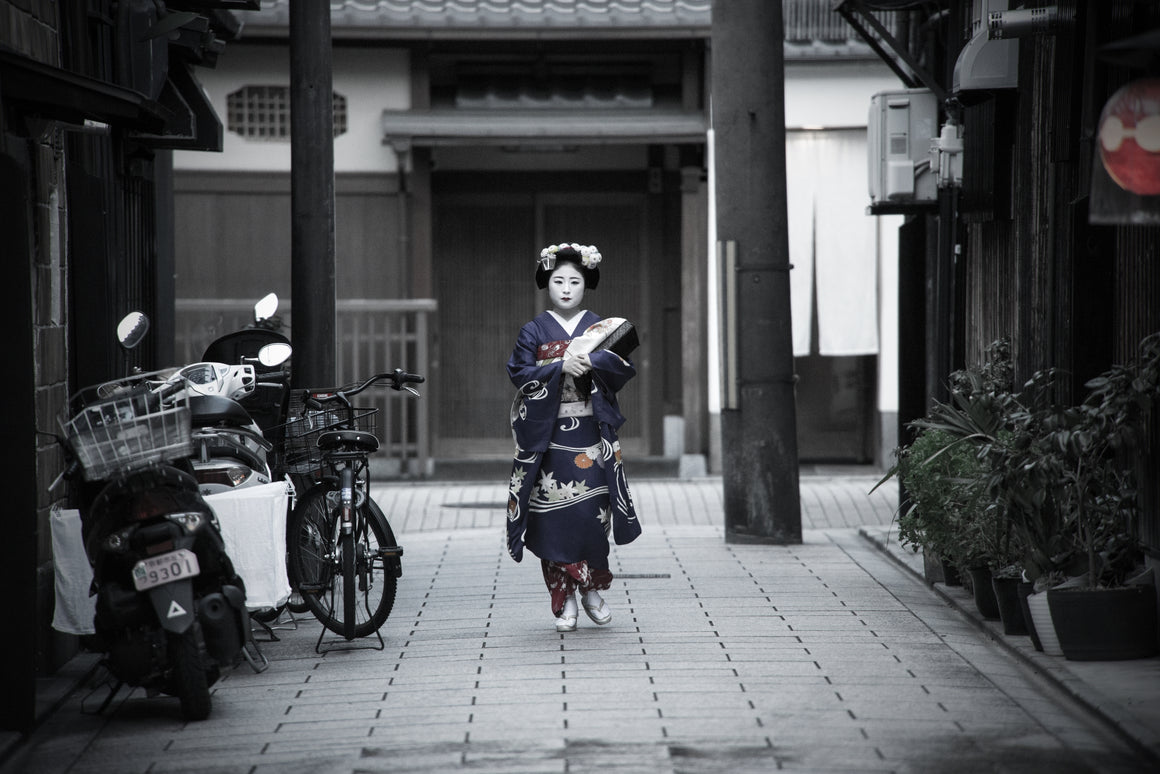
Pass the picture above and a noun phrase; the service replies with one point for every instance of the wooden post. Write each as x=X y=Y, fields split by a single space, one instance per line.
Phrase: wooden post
x=312 y=283
x=758 y=418
x=18 y=555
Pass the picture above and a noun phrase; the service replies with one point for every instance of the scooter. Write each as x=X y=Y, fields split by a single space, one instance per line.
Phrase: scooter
x=170 y=608
x=262 y=345
x=230 y=450
x=261 y=349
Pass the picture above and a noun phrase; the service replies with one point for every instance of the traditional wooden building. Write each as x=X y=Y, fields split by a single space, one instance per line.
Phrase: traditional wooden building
x=1036 y=245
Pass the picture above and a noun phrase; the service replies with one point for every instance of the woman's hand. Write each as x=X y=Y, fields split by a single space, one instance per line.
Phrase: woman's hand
x=578 y=365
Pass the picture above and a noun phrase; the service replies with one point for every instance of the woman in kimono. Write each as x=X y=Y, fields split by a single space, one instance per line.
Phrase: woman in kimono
x=567 y=492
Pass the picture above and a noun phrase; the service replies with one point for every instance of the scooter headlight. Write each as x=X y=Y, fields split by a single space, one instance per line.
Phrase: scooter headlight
x=191 y=520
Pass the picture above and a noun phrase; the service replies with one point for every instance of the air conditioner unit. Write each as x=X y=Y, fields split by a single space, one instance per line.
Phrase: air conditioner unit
x=900 y=128
x=990 y=59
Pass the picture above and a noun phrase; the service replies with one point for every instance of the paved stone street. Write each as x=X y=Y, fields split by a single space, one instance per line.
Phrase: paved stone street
x=830 y=656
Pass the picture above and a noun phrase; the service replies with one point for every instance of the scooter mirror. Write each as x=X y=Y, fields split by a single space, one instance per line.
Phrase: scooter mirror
x=266 y=306
x=132 y=329
x=274 y=354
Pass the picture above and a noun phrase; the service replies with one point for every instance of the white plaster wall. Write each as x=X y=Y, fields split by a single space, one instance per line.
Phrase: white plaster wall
x=371 y=80
x=833 y=95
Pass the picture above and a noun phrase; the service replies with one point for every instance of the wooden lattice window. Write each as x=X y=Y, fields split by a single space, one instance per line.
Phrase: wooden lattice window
x=263 y=113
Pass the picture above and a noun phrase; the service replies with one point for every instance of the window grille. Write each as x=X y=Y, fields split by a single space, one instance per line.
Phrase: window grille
x=263 y=113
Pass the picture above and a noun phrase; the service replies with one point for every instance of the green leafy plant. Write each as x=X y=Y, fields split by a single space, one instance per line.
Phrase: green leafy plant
x=1016 y=481
x=941 y=479
x=945 y=470
x=1094 y=444
x=1066 y=474
x=1024 y=481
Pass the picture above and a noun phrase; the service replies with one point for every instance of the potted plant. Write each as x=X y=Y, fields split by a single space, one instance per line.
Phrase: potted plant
x=1090 y=448
x=976 y=418
x=944 y=473
x=938 y=477
x=1023 y=481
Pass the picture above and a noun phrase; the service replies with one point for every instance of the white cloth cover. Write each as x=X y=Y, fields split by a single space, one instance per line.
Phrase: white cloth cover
x=253 y=523
x=74 y=608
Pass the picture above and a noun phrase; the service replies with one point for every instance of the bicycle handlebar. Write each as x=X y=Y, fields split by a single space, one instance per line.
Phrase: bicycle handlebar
x=398 y=379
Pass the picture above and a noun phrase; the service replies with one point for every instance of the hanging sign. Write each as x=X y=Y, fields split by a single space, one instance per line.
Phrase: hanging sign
x=1126 y=167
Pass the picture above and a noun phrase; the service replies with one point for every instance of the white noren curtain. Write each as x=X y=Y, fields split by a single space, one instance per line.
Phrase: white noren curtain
x=832 y=243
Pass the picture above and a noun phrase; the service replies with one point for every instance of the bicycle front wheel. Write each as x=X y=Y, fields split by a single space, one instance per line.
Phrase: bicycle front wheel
x=316 y=559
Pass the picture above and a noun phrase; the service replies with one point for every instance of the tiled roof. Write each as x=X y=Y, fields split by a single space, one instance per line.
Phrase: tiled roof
x=423 y=18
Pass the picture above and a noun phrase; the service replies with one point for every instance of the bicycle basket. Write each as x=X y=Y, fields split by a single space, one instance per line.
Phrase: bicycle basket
x=131 y=429
x=301 y=454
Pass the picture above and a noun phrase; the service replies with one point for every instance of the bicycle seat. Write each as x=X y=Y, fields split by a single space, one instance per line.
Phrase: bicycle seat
x=348 y=439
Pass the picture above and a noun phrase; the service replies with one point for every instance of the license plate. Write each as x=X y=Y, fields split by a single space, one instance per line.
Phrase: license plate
x=165 y=568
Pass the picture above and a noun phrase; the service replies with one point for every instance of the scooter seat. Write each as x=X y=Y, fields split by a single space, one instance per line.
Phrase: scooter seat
x=210 y=410
x=348 y=439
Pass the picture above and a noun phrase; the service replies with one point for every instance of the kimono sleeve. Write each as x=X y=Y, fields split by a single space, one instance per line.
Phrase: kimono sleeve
x=611 y=370
x=538 y=393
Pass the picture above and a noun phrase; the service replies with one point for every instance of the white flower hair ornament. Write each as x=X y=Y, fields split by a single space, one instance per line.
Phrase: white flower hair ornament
x=589 y=256
x=589 y=260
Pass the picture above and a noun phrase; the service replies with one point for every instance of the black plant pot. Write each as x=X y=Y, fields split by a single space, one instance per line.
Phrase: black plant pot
x=950 y=573
x=1007 y=599
x=1105 y=624
x=985 y=601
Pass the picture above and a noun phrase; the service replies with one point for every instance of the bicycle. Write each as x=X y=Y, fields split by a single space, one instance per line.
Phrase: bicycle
x=340 y=545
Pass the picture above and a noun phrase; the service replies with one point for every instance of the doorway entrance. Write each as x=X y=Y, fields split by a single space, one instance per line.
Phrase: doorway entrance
x=485 y=246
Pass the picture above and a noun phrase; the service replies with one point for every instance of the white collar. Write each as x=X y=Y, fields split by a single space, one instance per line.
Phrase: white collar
x=569 y=326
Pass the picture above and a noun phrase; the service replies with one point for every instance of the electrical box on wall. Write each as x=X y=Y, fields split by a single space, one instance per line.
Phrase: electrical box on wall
x=900 y=128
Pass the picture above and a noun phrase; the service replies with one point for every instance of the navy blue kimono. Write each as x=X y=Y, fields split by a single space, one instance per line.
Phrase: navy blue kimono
x=567 y=491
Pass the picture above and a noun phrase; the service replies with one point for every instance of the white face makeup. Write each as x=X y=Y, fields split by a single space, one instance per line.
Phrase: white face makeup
x=566 y=288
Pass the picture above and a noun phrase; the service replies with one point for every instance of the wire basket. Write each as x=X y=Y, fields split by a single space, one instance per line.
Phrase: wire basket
x=300 y=452
x=131 y=429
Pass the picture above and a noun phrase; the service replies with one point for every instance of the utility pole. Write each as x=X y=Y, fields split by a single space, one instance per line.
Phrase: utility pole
x=758 y=416
x=312 y=285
